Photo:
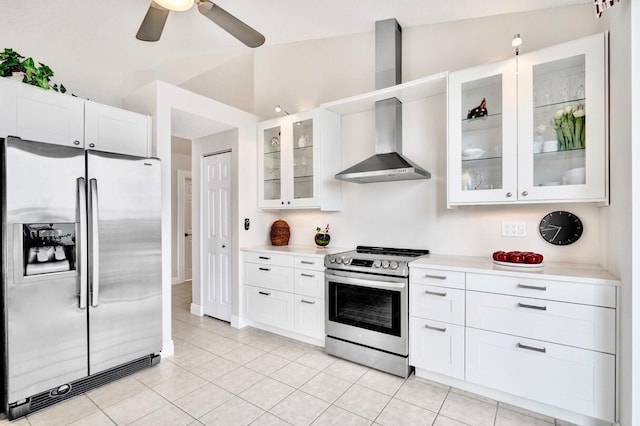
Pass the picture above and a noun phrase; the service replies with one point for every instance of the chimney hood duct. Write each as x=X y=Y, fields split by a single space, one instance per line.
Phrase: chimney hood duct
x=388 y=164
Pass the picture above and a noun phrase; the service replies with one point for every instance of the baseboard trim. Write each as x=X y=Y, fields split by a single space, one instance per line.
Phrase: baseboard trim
x=167 y=349
x=197 y=310
x=238 y=322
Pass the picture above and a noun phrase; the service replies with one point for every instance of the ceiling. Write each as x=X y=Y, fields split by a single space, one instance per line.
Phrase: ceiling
x=91 y=44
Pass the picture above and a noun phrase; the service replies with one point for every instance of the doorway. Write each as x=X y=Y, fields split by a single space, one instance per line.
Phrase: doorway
x=184 y=231
x=216 y=234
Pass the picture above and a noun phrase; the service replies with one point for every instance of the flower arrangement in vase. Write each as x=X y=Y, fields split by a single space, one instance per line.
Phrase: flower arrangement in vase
x=569 y=124
x=322 y=236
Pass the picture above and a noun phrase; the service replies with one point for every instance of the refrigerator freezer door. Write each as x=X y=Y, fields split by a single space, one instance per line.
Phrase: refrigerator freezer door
x=45 y=324
x=125 y=313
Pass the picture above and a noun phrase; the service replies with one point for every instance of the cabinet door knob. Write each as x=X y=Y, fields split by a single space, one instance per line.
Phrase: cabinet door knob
x=76 y=142
x=288 y=202
x=525 y=193
x=282 y=202
x=92 y=145
x=509 y=194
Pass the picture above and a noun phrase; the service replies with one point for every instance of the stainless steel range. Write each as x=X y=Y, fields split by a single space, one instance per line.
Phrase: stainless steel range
x=367 y=294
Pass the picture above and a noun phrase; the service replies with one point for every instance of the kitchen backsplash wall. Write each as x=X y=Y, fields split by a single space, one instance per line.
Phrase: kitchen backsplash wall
x=414 y=214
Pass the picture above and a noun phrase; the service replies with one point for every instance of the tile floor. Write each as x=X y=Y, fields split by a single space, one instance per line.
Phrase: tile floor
x=223 y=376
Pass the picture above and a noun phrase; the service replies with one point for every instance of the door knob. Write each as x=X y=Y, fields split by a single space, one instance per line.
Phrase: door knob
x=223 y=246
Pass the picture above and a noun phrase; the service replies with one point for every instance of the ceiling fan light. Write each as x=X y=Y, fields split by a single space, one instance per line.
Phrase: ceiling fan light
x=175 y=5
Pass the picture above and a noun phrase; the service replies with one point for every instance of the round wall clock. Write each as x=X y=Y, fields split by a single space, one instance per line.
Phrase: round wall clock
x=561 y=228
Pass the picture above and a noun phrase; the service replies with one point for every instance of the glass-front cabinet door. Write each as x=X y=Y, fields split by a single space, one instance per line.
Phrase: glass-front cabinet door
x=270 y=159
x=562 y=122
x=483 y=134
x=304 y=159
x=288 y=161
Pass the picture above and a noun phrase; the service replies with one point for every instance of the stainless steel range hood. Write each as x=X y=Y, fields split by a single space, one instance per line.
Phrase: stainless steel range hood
x=388 y=164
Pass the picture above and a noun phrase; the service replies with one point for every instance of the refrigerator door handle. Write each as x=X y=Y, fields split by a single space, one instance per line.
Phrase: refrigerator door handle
x=95 y=259
x=82 y=252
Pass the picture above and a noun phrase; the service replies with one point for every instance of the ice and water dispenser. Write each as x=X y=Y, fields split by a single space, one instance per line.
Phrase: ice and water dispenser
x=48 y=248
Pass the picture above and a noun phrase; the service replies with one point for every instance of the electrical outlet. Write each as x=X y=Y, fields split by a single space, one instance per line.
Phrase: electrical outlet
x=514 y=228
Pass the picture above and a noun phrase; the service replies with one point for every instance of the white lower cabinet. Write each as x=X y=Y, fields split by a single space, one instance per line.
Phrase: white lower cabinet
x=286 y=292
x=437 y=346
x=544 y=340
x=436 y=323
x=584 y=326
x=309 y=316
x=270 y=306
x=574 y=379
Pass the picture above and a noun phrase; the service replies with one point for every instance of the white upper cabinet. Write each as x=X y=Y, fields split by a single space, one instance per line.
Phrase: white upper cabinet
x=116 y=130
x=293 y=162
x=33 y=113
x=482 y=144
x=531 y=142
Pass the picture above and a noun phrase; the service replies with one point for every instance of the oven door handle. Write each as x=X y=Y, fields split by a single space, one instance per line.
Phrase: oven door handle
x=365 y=283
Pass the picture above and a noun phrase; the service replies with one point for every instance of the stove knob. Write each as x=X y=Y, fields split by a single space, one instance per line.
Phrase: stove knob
x=331 y=259
x=393 y=264
x=338 y=260
x=385 y=264
x=377 y=264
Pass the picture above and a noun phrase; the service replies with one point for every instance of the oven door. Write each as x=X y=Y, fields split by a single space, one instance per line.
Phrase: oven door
x=371 y=310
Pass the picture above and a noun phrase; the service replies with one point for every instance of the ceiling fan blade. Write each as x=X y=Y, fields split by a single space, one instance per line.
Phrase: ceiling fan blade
x=231 y=24
x=153 y=23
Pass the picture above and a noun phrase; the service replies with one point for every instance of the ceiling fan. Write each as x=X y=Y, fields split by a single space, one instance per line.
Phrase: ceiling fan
x=153 y=22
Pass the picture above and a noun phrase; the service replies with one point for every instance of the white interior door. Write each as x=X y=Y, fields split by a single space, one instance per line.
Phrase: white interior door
x=188 y=231
x=216 y=218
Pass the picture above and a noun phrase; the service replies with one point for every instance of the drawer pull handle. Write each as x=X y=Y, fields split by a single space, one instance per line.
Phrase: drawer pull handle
x=524 y=305
x=441 y=329
x=264 y=257
x=265 y=293
x=307 y=262
x=307 y=275
x=437 y=277
x=435 y=293
x=532 y=348
x=265 y=269
x=308 y=302
x=533 y=287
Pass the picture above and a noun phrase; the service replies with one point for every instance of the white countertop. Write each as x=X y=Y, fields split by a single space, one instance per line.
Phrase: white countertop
x=561 y=271
x=297 y=250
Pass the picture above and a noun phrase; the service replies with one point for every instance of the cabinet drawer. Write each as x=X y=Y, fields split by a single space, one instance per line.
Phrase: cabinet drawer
x=438 y=277
x=268 y=258
x=273 y=277
x=436 y=346
x=589 y=327
x=588 y=294
x=308 y=262
x=309 y=283
x=270 y=307
x=575 y=379
x=309 y=316
x=437 y=303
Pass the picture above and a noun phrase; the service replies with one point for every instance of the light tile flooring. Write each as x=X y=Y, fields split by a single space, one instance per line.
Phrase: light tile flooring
x=223 y=376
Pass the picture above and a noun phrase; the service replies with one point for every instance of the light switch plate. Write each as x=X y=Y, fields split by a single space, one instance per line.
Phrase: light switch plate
x=514 y=228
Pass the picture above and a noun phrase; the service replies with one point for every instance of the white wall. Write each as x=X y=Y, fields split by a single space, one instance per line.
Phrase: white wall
x=414 y=213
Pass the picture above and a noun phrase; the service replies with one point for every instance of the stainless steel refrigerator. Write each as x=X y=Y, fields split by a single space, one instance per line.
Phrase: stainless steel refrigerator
x=81 y=270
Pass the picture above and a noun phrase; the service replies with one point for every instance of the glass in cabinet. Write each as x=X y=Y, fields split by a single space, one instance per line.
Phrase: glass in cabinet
x=288 y=161
x=482 y=134
x=562 y=122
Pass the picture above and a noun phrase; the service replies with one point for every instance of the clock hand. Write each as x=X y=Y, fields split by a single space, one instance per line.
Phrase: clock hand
x=551 y=228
